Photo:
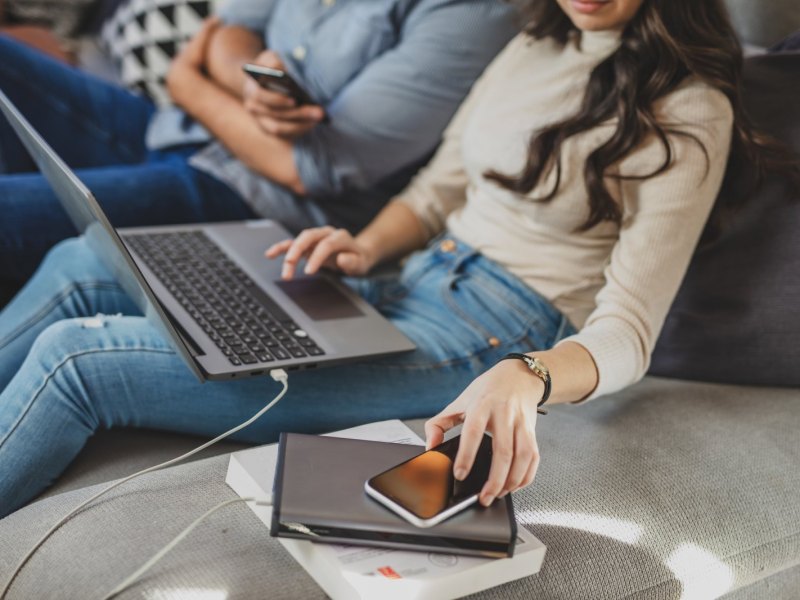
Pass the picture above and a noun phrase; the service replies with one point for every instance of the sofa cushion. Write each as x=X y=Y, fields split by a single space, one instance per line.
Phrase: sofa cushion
x=764 y=22
x=143 y=36
x=669 y=489
x=735 y=318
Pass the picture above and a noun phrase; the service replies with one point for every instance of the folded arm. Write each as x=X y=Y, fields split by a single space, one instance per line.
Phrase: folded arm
x=226 y=117
x=229 y=48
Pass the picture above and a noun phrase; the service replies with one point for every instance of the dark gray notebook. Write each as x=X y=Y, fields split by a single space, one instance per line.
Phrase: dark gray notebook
x=319 y=496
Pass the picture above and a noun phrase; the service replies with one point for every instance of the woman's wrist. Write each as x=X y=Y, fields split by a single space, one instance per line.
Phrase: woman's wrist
x=526 y=380
x=370 y=250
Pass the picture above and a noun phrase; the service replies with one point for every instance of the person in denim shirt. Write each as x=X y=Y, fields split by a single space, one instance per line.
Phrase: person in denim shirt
x=388 y=75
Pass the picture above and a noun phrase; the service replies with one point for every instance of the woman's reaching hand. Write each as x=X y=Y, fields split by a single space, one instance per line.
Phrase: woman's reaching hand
x=503 y=402
x=323 y=247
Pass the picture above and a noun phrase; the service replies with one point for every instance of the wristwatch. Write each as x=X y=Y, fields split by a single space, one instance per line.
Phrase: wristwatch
x=538 y=368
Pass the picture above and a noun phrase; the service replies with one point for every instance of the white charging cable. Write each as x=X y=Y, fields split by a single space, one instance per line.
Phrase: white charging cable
x=278 y=375
x=177 y=540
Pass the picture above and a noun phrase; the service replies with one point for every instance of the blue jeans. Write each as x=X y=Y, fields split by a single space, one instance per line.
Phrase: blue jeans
x=64 y=377
x=98 y=129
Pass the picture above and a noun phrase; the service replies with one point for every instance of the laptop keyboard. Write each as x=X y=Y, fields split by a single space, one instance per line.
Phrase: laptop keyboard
x=246 y=324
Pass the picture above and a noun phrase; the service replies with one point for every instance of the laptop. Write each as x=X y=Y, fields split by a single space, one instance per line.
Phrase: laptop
x=211 y=291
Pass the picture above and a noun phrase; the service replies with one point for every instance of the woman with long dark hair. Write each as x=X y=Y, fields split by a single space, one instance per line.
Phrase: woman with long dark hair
x=560 y=214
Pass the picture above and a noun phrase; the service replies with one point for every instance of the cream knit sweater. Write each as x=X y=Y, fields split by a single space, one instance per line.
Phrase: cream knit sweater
x=614 y=282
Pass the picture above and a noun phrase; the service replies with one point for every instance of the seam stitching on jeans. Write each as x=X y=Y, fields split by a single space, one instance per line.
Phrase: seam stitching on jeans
x=62 y=295
x=54 y=370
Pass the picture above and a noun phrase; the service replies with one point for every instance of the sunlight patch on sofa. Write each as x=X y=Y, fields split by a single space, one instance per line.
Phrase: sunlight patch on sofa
x=626 y=532
x=703 y=575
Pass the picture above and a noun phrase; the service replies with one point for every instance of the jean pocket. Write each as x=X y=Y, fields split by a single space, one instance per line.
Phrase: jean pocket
x=417 y=266
x=496 y=318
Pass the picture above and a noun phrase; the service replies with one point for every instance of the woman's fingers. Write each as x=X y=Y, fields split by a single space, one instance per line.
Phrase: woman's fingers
x=524 y=452
x=338 y=241
x=295 y=249
x=532 y=468
x=304 y=245
x=437 y=426
x=319 y=246
x=475 y=422
x=276 y=250
x=502 y=459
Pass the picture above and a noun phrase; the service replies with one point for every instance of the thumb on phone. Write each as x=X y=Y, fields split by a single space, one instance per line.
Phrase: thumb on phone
x=437 y=426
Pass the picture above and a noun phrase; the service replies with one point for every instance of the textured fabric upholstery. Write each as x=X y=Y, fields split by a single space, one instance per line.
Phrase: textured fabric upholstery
x=651 y=493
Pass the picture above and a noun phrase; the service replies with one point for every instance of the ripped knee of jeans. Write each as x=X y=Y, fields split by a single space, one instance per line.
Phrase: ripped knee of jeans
x=98 y=321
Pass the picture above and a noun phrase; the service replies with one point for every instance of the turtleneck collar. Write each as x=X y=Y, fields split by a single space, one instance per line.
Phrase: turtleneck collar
x=599 y=43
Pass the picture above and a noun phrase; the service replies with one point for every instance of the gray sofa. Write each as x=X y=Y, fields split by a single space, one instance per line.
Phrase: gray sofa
x=670 y=489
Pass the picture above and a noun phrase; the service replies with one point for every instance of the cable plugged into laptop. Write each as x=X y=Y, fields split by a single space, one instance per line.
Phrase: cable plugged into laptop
x=278 y=375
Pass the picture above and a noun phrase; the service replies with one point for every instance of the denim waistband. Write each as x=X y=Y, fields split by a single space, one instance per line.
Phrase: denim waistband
x=459 y=258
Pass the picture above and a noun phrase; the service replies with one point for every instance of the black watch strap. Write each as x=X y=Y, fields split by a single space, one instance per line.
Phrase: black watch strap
x=538 y=368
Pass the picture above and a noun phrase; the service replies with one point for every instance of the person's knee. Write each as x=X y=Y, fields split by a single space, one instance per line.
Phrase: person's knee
x=62 y=342
x=72 y=262
x=70 y=251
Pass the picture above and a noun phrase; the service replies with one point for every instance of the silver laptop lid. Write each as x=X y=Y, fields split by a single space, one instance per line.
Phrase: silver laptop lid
x=91 y=222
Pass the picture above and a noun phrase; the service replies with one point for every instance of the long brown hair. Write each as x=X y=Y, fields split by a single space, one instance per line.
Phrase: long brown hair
x=664 y=43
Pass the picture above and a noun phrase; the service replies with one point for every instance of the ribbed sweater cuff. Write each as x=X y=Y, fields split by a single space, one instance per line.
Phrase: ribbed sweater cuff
x=615 y=354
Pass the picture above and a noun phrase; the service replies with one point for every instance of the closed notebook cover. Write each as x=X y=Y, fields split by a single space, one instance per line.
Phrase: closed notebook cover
x=319 y=495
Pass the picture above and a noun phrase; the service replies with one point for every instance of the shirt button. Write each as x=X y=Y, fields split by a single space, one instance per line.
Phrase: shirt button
x=328 y=2
x=299 y=52
x=447 y=246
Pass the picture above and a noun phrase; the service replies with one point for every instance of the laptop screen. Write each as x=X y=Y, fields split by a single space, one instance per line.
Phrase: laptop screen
x=91 y=222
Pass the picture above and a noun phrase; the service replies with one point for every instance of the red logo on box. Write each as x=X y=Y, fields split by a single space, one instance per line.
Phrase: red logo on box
x=389 y=573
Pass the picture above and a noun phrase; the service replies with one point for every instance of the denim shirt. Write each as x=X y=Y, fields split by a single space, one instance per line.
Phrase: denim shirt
x=390 y=74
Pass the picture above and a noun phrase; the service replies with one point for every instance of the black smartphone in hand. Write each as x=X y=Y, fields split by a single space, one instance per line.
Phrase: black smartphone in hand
x=278 y=81
x=423 y=489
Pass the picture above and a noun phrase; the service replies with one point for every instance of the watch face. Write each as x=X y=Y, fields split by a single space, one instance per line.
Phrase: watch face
x=540 y=367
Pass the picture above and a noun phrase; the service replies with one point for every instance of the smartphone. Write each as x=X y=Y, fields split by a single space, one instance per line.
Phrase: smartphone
x=423 y=490
x=278 y=81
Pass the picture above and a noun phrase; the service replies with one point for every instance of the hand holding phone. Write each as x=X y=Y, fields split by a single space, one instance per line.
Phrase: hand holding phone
x=279 y=81
x=423 y=489
x=277 y=102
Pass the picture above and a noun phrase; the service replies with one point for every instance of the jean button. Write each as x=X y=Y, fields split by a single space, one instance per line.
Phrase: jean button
x=447 y=246
x=494 y=342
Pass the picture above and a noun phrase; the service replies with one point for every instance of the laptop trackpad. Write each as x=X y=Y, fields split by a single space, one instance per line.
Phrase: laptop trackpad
x=319 y=299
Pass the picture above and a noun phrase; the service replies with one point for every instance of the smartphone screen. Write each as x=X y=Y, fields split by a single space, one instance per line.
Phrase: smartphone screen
x=424 y=485
x=277 y=81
